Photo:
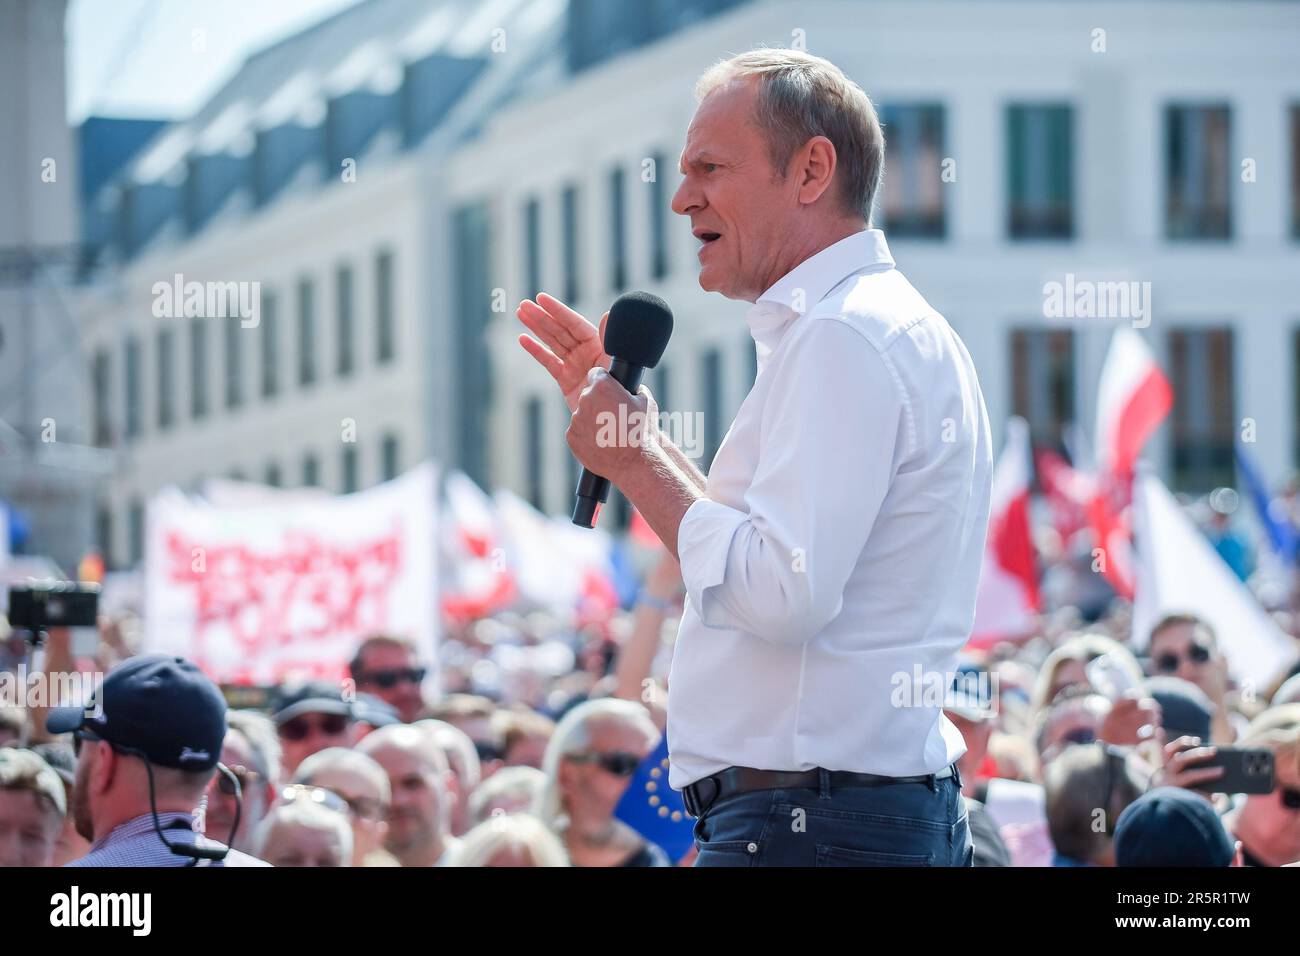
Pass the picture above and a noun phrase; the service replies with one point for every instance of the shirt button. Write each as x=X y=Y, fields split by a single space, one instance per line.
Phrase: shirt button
x=752 y=848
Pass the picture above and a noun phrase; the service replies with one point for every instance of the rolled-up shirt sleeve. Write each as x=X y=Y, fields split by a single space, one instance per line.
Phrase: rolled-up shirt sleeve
x=835 y=427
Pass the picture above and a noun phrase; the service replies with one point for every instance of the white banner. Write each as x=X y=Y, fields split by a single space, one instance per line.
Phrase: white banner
x=259 y=593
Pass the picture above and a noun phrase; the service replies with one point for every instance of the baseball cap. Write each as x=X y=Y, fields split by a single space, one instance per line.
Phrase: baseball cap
x=160 y=705
x=1185 y=710
x=372 y=710
x=1170 y=826
x=311 y=697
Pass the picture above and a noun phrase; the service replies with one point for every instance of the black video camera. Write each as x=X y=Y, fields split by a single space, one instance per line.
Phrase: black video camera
x=41 y=605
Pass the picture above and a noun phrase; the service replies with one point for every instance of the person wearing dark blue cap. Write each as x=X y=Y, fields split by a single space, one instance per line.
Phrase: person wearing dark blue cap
x=148 y=743
x=1169 y=826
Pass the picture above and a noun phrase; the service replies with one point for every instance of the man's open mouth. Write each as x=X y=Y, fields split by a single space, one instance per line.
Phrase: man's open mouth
x=706 y=237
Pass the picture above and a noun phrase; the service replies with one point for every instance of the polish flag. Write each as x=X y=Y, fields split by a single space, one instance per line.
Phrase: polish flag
x=1067 y=490
x=1133 y=399
x=1008 y=592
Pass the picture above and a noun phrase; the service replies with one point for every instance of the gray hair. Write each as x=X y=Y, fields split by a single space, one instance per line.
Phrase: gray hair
x=459 y=748
x=351 y=761
x=573 y=735
x=311 y=816
x=523 y=782
x=259 y=731
x=25 y=770
x=519 y=832
x=802 y=96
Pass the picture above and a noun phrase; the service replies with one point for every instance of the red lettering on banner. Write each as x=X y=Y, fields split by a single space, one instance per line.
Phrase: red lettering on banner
x=307 y=590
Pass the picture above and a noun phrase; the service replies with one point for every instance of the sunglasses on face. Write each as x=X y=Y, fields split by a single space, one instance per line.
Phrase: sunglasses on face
x=300 y=728
x=619 y=764
x=80 y=736
x=317 y=795
x=1080 y=735
x=227 y=786
x=389 y=679
x=1290 y=798
x=1168 y=662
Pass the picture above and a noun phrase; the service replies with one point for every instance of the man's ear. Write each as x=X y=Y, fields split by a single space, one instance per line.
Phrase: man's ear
x=106 y=768
x=815 y=169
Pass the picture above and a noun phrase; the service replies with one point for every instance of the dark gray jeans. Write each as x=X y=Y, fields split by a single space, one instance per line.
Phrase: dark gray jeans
x=902 y=824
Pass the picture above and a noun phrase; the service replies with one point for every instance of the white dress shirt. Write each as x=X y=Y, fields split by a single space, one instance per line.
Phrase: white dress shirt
x=837 y=553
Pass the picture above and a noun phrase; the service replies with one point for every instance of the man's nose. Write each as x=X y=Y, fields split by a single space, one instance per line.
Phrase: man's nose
x=686 y=199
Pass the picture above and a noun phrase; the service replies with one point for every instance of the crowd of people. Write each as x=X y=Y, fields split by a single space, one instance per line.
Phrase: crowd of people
x=1080 y=752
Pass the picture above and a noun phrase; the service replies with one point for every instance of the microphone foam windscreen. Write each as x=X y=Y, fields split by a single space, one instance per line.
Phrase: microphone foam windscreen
x=638 y=328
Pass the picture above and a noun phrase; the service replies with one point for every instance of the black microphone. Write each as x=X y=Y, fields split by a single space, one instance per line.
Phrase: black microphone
x=636 y=334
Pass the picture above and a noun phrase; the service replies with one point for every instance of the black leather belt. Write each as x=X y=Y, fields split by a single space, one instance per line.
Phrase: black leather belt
x=701 y=794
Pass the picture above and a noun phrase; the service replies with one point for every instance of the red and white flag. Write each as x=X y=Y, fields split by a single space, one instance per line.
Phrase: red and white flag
x=1133 y=399
x=478 y=580
x=1008 y=592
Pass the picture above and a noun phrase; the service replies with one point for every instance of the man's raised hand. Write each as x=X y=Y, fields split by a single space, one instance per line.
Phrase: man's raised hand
x=569 y=346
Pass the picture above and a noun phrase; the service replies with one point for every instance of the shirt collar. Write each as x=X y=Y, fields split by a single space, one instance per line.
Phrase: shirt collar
x=809 y=282
x=139 y=825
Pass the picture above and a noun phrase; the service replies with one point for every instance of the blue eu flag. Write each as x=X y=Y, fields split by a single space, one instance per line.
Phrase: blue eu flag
x=655 y=810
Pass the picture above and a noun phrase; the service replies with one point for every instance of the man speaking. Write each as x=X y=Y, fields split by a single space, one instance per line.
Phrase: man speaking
x=833 y=552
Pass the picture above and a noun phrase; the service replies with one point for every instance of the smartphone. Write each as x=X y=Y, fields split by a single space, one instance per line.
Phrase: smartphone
x=1245 y=770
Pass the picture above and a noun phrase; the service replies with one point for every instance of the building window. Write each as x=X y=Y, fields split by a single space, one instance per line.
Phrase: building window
x=273 y=477
x=198 y=368
x=533 y=431
x=912 y=192
x=1198 y=177
x=569 y=242
x=1200 y=365
x=385 y=330
x=135 y=529
x=663 y=386
x=1042 y=383
x=532 y=247
x=1295 y=171
x=132 y=382
x=99 y=376
x=617 y=229
x=306 y=332
x=390 y=465
x=343 y=297
x=166 y=378
x=104 y=535
x=270 y=346
x=711 y=389
x=311 y=471
x=659 y=207
x=472 y=302
x=351 y=479
x=1039 y=172
x=234 y=364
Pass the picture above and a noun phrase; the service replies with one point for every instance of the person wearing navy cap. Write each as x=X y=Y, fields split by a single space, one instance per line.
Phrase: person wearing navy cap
x=1169 y=826
x=148 y=743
